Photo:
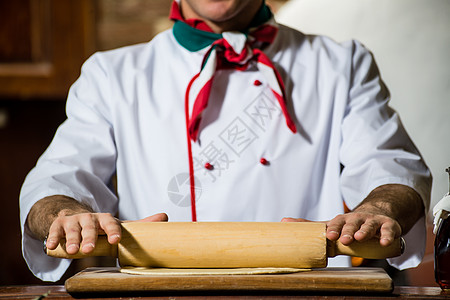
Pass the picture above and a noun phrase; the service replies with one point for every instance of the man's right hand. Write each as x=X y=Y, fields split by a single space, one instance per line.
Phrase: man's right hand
x=58 y=217
x=81 y=230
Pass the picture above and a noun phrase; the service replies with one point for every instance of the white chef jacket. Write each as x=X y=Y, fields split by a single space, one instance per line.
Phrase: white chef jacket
x=125 y=116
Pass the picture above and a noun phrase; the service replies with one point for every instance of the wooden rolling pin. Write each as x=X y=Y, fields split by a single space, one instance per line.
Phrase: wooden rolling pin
x=229 y=245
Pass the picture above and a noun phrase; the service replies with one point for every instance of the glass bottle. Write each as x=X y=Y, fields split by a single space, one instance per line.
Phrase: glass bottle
x=442 y=241
x=442 y=255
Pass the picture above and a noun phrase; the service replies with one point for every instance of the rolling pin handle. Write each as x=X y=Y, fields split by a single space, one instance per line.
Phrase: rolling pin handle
x=102 y=248
x=370 y=249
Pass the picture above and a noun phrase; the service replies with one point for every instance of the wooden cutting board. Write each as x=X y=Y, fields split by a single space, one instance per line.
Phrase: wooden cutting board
x=107 y=280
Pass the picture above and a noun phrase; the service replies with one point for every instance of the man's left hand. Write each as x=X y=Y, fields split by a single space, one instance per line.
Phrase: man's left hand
x=361 y=226
x=388 y=212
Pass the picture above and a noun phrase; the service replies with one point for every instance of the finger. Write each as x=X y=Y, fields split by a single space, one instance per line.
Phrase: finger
x=388 y=232
x=161 y=217
x=111 y=227
x=288 y=219
x=367 y=230
x=72 y=230
x=55 y=234
x=352 y=225
x=89 y=232
x=334 y=227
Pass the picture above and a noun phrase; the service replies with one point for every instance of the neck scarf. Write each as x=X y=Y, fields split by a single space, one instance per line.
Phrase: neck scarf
x=229 y=50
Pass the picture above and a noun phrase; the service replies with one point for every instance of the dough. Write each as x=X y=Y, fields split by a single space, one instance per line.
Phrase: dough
x=182 y=272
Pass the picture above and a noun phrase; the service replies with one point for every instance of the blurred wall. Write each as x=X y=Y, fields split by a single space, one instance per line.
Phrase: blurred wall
x=411 y=43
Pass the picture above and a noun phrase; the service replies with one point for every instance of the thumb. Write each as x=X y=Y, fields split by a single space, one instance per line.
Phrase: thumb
x=288 y=219
x=161 y=217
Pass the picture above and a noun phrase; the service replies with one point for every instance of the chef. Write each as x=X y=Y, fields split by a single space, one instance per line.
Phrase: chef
x=228 y=116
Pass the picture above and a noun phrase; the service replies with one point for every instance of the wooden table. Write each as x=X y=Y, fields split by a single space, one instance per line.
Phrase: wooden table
x=58 y=292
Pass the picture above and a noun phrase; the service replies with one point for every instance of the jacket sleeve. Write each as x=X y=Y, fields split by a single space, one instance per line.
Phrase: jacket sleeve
x=79 y=163
x=377 y=150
